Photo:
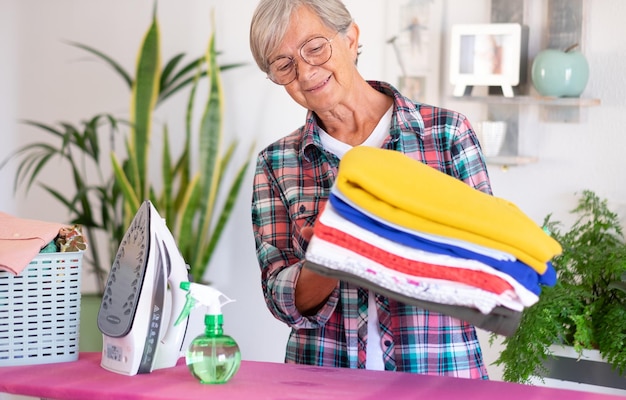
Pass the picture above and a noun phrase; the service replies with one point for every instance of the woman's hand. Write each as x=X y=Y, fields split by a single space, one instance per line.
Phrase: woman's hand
x=307 y=233
x=312 y=289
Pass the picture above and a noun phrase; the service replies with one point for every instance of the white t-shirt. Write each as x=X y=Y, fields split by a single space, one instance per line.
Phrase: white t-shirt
x=376 y=138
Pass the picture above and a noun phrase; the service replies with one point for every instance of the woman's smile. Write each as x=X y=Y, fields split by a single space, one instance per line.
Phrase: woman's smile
x=320 y=86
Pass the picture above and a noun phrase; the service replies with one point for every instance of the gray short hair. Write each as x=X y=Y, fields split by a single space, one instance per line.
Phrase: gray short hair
x=271 y=18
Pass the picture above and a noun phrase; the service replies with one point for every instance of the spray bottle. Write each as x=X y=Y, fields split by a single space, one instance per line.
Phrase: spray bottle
x=212 y=357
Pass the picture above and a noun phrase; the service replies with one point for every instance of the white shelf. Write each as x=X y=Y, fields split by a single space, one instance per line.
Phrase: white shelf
x=509 y=161
x=532 y=100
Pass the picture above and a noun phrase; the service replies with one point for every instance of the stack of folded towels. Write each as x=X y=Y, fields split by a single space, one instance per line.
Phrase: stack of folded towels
x=413 y=233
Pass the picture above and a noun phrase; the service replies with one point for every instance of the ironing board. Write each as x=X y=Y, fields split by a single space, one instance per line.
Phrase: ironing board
x=85 y=379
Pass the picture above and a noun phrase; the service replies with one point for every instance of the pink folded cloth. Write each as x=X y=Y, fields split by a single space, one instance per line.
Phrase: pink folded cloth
x=22 y=239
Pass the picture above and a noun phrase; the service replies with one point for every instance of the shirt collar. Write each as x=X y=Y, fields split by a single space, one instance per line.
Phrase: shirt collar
x=400 y=121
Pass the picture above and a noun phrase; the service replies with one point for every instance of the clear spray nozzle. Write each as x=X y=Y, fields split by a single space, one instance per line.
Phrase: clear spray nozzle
x=198 y=294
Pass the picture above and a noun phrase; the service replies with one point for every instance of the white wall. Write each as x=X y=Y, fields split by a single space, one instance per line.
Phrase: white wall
x=8 y=49
x=46 y=80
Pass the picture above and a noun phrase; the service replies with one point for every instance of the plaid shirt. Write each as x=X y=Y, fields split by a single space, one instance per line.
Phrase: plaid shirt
x=292 y=181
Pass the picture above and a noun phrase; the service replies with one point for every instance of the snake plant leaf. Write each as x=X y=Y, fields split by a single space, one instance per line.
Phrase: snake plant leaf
x=144 y=96
x=131 y=200
x=210 y=143
x=181 y=174
x=224 y=215
x=184 y=230
x=167 y=172
x=114 y=64
x=153 y=196
x=186 y=198
x=225 y=161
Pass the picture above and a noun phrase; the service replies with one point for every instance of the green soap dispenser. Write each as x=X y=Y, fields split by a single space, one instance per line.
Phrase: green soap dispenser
x=213 y=357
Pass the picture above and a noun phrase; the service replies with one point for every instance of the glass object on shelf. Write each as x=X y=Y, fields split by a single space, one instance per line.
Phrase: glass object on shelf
x=491 y=135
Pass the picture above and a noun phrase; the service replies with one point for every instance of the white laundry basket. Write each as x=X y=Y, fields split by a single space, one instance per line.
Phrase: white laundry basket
x=40 y=311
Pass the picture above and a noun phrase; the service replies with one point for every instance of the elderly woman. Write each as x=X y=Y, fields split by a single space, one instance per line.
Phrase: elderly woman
x=311 y=48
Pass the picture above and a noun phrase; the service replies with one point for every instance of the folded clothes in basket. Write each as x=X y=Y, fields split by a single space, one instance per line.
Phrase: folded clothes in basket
x=427 y=239
x=22 y=239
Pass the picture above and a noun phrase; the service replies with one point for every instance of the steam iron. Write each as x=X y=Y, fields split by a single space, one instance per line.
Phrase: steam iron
x=137 y=312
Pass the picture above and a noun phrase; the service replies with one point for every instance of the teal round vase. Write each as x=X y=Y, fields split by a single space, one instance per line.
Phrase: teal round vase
x=557 y=73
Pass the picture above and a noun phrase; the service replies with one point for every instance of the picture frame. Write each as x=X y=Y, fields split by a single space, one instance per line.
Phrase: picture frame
x=485 y=55
x=413 y=48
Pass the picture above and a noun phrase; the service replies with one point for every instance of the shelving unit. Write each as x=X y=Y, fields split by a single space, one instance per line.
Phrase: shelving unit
x=552 y=24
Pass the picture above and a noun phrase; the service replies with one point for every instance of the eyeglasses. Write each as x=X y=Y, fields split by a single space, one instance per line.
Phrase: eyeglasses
x=315 y=51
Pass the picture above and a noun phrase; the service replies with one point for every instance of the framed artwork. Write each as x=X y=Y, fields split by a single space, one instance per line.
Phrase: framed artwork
x=485 y=55
x=413 y=47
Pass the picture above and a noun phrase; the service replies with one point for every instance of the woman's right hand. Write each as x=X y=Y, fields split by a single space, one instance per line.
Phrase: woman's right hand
x=312 y=289
x=307 y=233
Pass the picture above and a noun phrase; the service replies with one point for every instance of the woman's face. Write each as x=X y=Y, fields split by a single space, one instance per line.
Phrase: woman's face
x=319 y=88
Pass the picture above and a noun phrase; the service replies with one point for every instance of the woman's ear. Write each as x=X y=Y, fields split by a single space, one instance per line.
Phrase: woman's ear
x=353 y=34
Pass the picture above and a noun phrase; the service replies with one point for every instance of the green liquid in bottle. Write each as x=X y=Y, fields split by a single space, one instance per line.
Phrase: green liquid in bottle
x=213 y=357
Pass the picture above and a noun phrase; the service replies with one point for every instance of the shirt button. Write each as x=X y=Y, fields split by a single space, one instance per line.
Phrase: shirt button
x=387 y=343
x=302 y=208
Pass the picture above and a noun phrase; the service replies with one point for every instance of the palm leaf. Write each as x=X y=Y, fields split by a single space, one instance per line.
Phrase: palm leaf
x=182 y=78
x=170 y=66
x=112 y=63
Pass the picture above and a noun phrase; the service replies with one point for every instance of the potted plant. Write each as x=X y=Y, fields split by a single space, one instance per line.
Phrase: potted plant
x=586 y=308
x=188 y=198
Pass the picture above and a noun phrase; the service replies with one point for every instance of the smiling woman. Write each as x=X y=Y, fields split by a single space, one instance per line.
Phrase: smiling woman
x=72 y=85
x=311 y=48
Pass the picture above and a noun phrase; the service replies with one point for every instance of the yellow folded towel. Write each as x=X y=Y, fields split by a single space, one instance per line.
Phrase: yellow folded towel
x=408 y=193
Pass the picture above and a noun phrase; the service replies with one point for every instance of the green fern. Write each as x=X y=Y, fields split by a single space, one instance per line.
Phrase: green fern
x=586 y=309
